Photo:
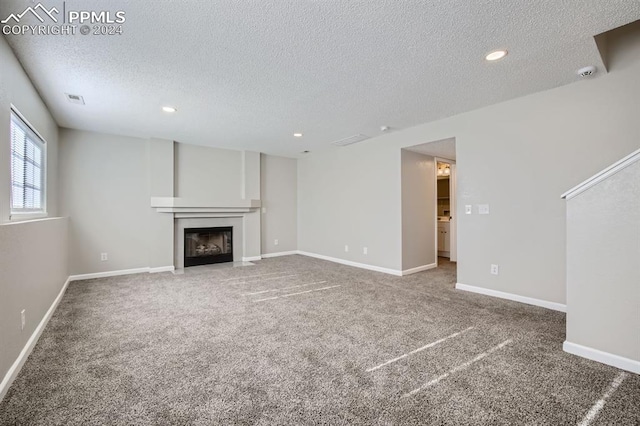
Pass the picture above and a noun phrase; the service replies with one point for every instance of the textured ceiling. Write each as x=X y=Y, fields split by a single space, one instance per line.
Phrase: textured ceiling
x=445 y=149
x=248 y=74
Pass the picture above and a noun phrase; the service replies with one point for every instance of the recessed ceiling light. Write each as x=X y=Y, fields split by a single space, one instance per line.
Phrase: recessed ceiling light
x=169 y=109
x=494 y=56
x=297 y=135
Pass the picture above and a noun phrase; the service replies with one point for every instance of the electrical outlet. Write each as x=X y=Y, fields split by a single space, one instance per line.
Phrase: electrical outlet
x=365 y=250
x=346 y=249
x=495 y=269
x=483 y=209
x=468 y=209
x=275 y=242
x=23 y=318
x=104 y=257
x=264 y=210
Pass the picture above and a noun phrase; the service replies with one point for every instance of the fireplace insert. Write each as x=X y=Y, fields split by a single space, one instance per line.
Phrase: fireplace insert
x=204 y=246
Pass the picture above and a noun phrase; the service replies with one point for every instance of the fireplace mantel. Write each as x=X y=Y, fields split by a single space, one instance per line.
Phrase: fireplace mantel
x=188 y=205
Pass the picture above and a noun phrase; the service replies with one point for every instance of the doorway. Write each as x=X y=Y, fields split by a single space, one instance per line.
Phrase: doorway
x=445 y=202
x=430 y=194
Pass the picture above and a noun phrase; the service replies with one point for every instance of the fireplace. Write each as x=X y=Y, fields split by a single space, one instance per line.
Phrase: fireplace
x=203 y=246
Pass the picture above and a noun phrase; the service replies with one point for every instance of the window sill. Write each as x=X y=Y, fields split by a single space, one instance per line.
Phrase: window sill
x=21 y=217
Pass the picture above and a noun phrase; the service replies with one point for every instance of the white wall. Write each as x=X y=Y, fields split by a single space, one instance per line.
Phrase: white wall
x=517 y=156
x=107 y=182
x=16 y=89
x=23 y=286
x=206 y=173
x=104 y=192
x=603 y=276
x=418 y=210
x=351 y=196
x=278 y=191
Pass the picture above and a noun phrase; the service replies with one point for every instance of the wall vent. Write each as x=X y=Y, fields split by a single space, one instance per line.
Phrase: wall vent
x=75 y=99
x=350 y=140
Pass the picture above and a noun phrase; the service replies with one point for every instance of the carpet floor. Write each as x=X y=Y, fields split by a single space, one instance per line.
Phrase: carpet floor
x=296 y=340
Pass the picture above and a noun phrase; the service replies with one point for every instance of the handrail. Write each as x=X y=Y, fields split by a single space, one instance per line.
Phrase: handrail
x=604 y=174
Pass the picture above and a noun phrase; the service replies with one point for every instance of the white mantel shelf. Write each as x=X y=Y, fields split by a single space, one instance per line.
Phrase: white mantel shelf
x=186 y=205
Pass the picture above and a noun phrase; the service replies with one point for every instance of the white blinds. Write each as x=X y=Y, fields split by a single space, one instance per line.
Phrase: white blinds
x=27 y=168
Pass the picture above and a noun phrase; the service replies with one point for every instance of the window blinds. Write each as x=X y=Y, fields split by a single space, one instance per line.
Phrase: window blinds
x=27 y=168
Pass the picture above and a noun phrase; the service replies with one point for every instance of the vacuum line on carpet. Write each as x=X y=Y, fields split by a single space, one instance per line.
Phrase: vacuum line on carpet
x=430 y=345
x=457 y=369
x=283 y=288
x=410 y=290
x=591 y=415
x=250 y=276
x=265 y=279
x=295 y=294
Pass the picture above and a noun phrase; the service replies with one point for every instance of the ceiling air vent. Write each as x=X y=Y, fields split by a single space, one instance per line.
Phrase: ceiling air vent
x=350 y=140
x=75 y=99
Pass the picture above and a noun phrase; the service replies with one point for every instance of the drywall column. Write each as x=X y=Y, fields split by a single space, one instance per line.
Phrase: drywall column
x=603 y=276
x=161 y=184
x=250 y=190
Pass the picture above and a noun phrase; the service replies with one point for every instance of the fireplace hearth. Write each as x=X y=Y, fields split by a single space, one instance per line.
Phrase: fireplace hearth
x=204 y=246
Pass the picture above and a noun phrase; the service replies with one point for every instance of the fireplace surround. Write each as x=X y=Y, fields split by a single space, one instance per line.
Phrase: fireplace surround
x=233 y=201
x=181 y=223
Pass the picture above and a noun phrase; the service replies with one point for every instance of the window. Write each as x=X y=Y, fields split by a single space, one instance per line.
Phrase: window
x=27 y=168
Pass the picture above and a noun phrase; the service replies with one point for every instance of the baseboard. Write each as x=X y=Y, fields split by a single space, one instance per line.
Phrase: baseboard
x=419 y=269
x=282 y=253
x=31 y=343
x=516 y=298
x=602 y=357
x=354 y=264
x=251 y=258
x=106 y=274
x=81 y=277
x=162 y=269
x=364 y=265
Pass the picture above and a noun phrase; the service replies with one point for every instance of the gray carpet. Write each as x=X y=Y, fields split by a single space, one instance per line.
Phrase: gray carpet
x=210 y=347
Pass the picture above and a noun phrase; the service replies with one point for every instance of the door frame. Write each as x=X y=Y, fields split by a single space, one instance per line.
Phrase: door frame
x=453 y=206
x=453 y=223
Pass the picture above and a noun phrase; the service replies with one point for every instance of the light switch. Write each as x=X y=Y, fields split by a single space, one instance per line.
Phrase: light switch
x=483 y=208
x=468 y=209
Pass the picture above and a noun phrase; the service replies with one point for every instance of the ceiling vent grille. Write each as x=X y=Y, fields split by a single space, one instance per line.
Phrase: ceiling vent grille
x=75 y=99
x=350 y=140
